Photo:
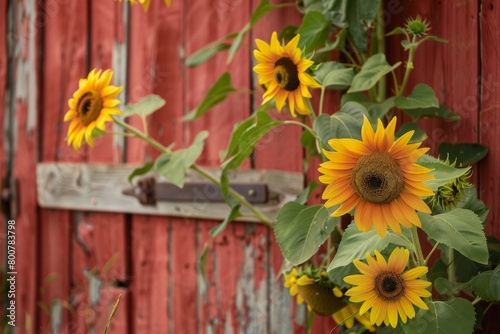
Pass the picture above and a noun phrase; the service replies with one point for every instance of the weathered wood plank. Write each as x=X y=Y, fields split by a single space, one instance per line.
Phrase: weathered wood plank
x=281 y=150
x=24 y=93
x=488 y=115
x=107 y=237
x=89 y=187
x=65 y=59
x=6 y=135
x=157 y=67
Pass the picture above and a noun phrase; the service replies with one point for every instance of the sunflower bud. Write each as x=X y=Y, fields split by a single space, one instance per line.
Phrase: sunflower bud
x=320 y=298
x=417 y=27
x=450 y=194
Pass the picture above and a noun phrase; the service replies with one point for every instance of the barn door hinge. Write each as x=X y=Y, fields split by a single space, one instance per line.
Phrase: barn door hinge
x=148 y=191
x=9 y=196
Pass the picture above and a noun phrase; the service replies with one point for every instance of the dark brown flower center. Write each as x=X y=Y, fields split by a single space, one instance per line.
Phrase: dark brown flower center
x=89 y=107
x=286 y=74
x=389 y=286
x=377 y=178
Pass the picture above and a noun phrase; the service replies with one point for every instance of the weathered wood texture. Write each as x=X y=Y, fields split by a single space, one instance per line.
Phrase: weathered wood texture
x=83 y=260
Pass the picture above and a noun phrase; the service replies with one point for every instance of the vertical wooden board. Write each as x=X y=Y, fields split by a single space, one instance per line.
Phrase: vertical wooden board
x=107 y=232
x=64 y=36
x=206 y=22
x=450 y=68
x=489 y=119
x=5 y=137
x=25 y=132
x=156 y=66
x=234 y=301
x=183 y=280
x=280 y=150
x=151 y=258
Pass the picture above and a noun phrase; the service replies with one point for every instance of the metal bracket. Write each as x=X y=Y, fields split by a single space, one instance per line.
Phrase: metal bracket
x=9 y=197
x=148 y=191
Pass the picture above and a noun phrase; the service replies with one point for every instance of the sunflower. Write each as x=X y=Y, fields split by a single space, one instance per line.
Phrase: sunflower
x=292 y=282
x=145 y=3
x=349 y=313
x=282 y=70
x=384 y=288
x=377 y=176
x=91 y=106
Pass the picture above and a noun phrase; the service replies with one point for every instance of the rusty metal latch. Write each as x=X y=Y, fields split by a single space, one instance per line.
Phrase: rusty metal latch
x=9 y=197
x=148 y=191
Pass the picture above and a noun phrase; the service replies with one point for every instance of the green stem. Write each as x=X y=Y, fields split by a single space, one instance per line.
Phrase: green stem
x=305 y=126
x=409 y=68
x=380 y=38
x=431 y=252
x=418 y=247
x=450 y=270
x=477 y=300
x=142 y=136
x=259 y=215
x=321 y=100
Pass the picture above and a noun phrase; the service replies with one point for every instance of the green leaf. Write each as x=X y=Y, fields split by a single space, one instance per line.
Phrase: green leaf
x=337 y=9
x=360 y=15
x=459 y=229
x=434 y=38
x=443 y=317
x=206 y=53
x=464 y=153
x=356 y=97
x=471 y=202
x=440 y=112
x=300 y=236
x=248 y=139
x=334 y=75
x=355 y=244
x=445 y=287
x=418 y=136
x=313 y=31
x=234 y=142
x=234 y=213
x=442 y=172
x=378 y=110
x=335 y=45
x=308 y=142
x=303 y=197
x=397 y=31
x=141 y=170
x=203 y=262
x=343 y=124
x=173 y=165
x=217 y=94
x=487 y=285
x=422 y=96
x=146 y=106
x=375 y=68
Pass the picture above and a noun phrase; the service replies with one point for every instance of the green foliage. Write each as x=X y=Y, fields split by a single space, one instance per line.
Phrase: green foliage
x=145 y=107
x=437 y=112
x=487 y=285
x=374 y=69
x=464 y=154
x=141 y=170
x=442 y=172
x=334 y=75
x=300 y=230
x=418 y=136
x=422 y=96
x=459 y=229
x=356 y=243
x=174 y=165
x=344 y=124
x=234 y=213
x=314 y=31
x=217 y=94
x=246 y=140
x=443 y=317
